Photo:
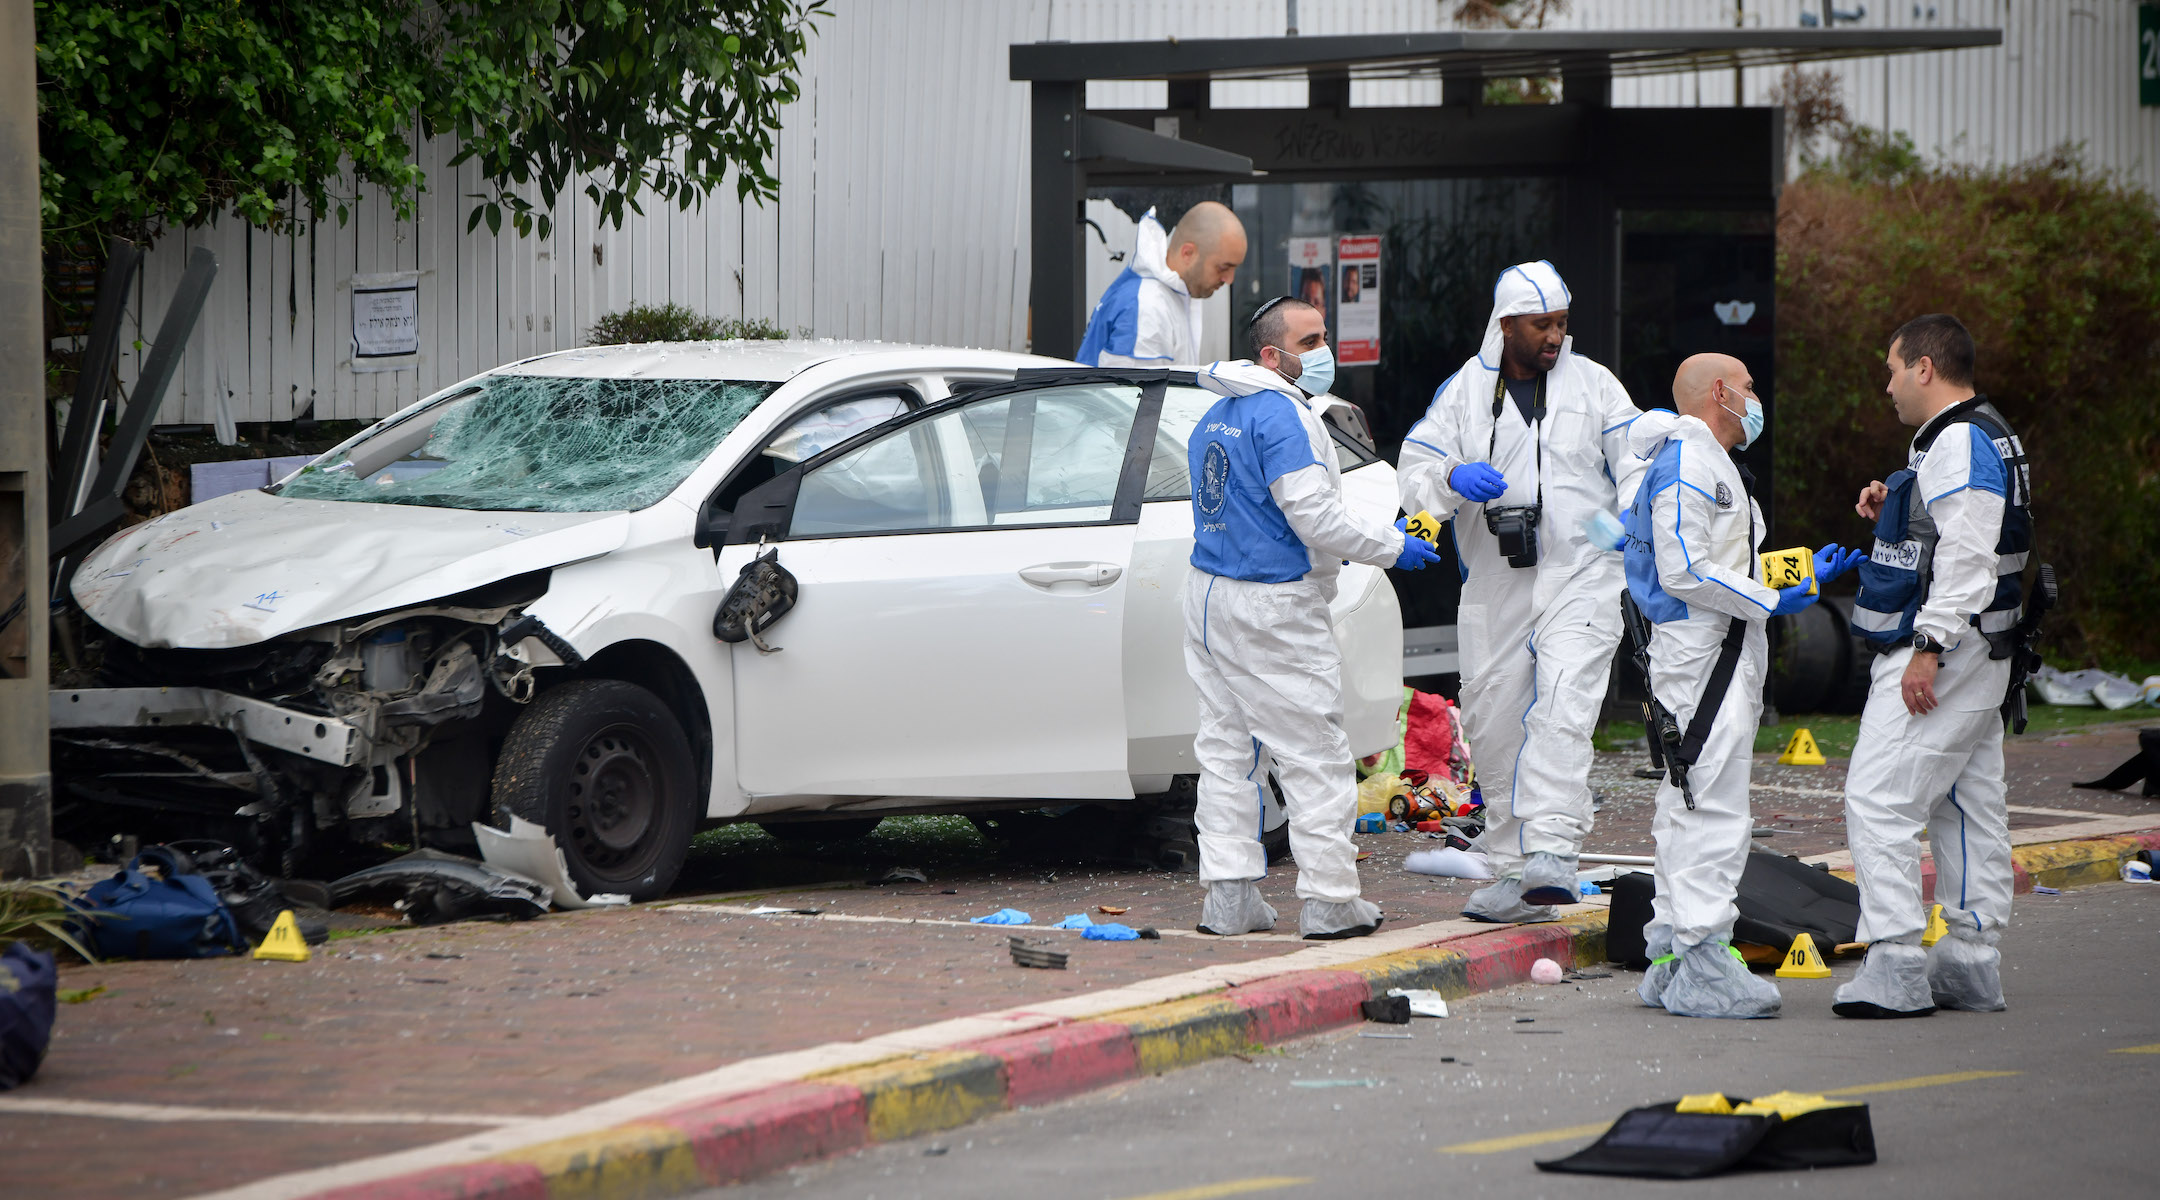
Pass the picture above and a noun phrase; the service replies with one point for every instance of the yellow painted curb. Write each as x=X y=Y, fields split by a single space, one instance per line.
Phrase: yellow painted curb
x=624 y=1162
x=2076 y=864
x=926 y=1092
x=1183 y=1032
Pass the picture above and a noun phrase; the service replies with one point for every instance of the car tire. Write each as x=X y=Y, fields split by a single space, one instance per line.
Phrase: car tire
x=796 y=833
x=604 y=766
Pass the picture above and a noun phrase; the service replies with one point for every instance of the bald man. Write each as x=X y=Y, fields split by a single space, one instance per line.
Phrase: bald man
x=1693 y=536
x=1149 y=316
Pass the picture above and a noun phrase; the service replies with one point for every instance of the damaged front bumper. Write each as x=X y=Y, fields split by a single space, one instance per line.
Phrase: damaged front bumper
x=324 y=739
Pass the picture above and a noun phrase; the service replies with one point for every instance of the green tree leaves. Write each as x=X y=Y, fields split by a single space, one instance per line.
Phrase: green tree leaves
x=167 y=112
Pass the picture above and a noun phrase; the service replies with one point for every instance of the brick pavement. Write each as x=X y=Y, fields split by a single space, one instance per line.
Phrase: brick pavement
x=542 y=1017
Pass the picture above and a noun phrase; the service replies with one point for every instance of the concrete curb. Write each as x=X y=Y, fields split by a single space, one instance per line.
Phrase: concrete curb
x=740 y=1137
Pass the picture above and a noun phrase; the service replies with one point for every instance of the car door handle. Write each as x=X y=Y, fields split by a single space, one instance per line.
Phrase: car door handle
x=1093 y=574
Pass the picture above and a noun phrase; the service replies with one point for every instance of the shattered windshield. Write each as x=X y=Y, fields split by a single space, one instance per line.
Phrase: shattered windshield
x=538 y=444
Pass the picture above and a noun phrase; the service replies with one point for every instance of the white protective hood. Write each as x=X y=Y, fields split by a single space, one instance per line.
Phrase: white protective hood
x=250 y=566
x=1526 y=288
x=1151 y=255
x=1652 y=429
x=1243 y=377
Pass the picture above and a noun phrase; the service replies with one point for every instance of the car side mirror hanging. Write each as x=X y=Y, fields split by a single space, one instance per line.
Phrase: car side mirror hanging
x=763 y=593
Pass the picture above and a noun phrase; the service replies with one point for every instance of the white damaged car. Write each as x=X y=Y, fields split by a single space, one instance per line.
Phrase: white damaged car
x=527 y=596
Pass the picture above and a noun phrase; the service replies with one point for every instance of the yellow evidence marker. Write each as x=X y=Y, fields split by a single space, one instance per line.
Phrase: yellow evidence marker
x=284 y=943
x=1424 y=526
x=1801 y=751
x=1784 y=568
x=1803 y=961
x=1937 y=928
x=1704 y=1102
x=1789 y=1105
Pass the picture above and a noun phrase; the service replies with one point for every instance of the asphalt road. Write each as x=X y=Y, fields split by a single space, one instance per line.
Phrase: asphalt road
x=2053 y=1098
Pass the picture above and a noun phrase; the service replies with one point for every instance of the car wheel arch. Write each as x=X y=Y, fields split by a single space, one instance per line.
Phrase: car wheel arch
x=661 y=671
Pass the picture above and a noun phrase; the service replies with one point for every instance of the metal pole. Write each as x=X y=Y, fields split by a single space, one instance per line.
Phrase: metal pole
x=25 y=755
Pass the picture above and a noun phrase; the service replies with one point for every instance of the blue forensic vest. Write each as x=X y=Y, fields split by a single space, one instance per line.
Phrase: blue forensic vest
x=1894 y=580
x=1115 y=325
x=1242 y=445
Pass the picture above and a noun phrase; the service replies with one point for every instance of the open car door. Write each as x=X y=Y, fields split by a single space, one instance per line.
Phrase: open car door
x=962 y=576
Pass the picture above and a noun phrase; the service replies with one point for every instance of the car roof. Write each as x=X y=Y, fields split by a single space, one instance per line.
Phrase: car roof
x=774 y=360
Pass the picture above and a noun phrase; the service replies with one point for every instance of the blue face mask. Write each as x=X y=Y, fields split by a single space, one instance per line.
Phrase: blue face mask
x=1751 y=425
x=1317 y=373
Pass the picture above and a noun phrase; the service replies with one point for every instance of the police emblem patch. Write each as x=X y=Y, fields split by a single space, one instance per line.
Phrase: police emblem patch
x=1214 y=479
x=1724 y=495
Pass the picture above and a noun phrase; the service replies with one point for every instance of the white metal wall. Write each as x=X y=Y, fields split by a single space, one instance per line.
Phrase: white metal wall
x=904 y=186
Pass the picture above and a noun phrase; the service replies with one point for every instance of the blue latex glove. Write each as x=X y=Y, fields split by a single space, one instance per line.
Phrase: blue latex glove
x=1110 y=932
x=1795 y=598
x=1477 y=481
x=1003 y=916
x=1417 y=554
x=1605 y=531
x=1833 y=560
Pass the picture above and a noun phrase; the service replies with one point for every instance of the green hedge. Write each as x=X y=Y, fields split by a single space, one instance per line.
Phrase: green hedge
x=2056 y=270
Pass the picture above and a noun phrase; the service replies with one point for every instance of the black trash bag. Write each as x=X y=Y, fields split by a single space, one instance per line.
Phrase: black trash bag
x=28 y=1004
x=1778 y=898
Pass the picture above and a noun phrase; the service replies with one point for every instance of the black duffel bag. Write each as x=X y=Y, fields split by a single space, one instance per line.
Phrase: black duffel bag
x=1779 y=898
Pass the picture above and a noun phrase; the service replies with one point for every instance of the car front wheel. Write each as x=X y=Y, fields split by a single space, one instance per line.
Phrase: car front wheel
x=605 y=767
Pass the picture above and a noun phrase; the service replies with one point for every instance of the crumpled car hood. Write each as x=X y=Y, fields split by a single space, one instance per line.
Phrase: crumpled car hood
x=249 y=566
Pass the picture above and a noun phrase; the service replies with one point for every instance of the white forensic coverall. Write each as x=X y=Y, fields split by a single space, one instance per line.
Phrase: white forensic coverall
x=1271 y=531
x=1146 y=317
x=1693 y=537
x=1942 y=772
x=1536 y=642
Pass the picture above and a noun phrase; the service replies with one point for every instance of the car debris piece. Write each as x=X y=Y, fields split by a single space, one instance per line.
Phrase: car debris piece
x=527 y=850
x=1424 y=1002
x=1388 y=1010
x=438 y=888
x=1037 y=954
x=902 y=875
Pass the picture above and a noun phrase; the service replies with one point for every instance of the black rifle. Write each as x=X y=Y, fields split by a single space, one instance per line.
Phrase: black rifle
x=2024 y=660
x=1659 y=724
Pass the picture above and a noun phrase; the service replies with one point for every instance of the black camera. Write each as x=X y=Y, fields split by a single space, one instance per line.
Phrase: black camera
x=1516 y=528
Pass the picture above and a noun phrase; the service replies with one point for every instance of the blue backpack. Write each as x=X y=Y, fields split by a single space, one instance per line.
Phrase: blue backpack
x=134 y=915
x=27 y=980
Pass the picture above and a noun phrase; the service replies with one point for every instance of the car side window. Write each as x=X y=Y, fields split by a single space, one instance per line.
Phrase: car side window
x=892 y=485
x=806 y=436
x=1047 y=457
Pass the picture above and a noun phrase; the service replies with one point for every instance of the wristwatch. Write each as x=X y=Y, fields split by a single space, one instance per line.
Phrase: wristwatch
x=1923 y=644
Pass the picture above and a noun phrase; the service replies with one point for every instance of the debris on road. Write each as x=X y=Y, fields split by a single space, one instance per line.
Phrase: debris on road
x=1449 y=863
x=1424 y=1002
x=528 y=851
x=438 y=888
x=1390 y=1009
x=1111 y=910
x=1037 y=954
x=901 y=875
x=1545 y=971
